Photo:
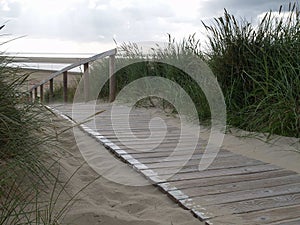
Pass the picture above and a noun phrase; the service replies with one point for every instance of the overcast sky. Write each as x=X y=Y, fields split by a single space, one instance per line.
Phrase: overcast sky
x=91 y=25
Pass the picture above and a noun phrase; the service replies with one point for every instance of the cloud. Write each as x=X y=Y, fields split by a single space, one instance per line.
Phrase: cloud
x=131 y=20
x=241 y=9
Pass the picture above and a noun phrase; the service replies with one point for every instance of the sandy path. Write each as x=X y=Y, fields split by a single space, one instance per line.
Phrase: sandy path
x=109 y=203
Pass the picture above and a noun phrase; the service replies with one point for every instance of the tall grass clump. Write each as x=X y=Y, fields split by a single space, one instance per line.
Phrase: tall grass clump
x=29 y=147
x=258 y=69
x=133 y=63
x=22 y=168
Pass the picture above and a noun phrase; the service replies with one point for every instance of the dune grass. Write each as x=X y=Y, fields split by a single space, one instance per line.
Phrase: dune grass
x=30 y=149
x=257 y=67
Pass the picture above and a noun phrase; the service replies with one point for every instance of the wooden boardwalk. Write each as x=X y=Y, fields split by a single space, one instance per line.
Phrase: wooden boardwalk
x=233 y=190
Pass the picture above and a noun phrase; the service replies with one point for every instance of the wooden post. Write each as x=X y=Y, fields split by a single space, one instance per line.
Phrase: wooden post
x=86 y=82
x=65 y=86
x=31 y=96
x=42 y=92
x=51 y=90
x=112 y=79
x=35 y=94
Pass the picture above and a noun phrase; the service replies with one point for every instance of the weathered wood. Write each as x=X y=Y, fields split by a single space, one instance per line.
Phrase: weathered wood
x=215 y=199
x=51 y=90
x=192 y=164
x=65 y=86
x=74 y=65
x=214 y=173
x=169 y=170
x=260 y=217
x=86 y=82
x=209 y=181
x=35 y=94
x=156 y=157
x=112 y=79
x=240 y=186
x=256 y=204
x=42 y=93
x=55 y=60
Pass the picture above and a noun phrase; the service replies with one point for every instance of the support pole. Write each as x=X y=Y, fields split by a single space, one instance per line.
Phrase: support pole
x=86 y=82
x=42 y=92
x=65 y=86
x=35 y=94
x=51 y=90
x=112 y=79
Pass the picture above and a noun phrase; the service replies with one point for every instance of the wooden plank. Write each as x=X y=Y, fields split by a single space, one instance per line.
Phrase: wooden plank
x=257 y=204
x=139 y=129
x=236 y=196
x=164 y=146
x=162 y=156
x=154 y=138
x=55 y=60
x=208 y=181
x=215 y=169
x=260 y=217
x=142 y=130
x=161 y=137
x=184 y=167
x=167 y=150
x=240 y=186
x=219 y=162
x=213 y=173
x=215 y=165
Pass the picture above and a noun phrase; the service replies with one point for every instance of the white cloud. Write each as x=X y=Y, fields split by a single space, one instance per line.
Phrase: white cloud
x=99 y=21
x=276 y=15
x=4 y=6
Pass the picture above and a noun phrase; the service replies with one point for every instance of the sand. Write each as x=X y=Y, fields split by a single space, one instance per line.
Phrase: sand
x=109 y=203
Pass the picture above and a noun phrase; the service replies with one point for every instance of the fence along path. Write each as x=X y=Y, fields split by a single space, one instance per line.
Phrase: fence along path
x=33 y=91
x=233 y=190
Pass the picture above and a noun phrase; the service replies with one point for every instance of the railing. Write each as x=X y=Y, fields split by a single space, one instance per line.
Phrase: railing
x=33 y=91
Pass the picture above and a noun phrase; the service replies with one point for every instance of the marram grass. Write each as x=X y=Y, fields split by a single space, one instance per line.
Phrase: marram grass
x=257 y=67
